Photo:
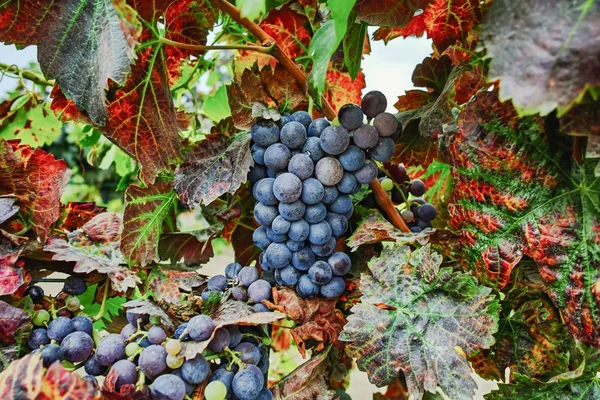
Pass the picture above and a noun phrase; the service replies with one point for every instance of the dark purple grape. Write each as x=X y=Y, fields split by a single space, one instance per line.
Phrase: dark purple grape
x=338 y=223
x=365 y=137
x=168 y=387
x=352 y=159
x=110 y=350
x=348 y=184
x=386 y=124
x=299 y=230
x=312 y=148
x=427 y=212
x=384 y=150
x=93 y=368
x=303 y=117
x=398 y=172
x=330 y=194
x=217 y=283
x=179 y=332
x=350 y=116
x=292 y=211
x=367 y=173
x=278 y=255
x=265 y=394
x=303 y=259
x=249 y=353
x=260 y=238
x=340 y=263
x=74 y=285
x=77 y=347
x=196 y=370
x=50 y=354
x=319 y=233
x=221 y=339
x=306 y=288
x=320 y=273
x=83 y=324
x=260 y=290
x=277 y=156
x=157 y=335
x=417 y=187
x=36 y=294
x=312 y=191
x=265 y=132
x=293 y=135
x=258 y=154
x=280 y=225
x=38 y=338
x=264 y=214
x=236 y=336
x=334 y=288
x=247 y=275
x=287 y=187
x=257 y=173
x=285 y=118
x=324 y=250
x=232 y=270
x=373 y=103
x=263 y=192
x=153 y=360
x=287 y=276
x=315 y=213
x=316 y=127
x=342 y=204
x=302 y=166
x=293 y=245
x=126 y=373
x=239 y=293
x=59 y=328
x=201 y=327
x=335 y=140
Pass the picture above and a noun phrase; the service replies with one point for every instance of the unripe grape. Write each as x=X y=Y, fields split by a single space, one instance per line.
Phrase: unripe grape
x=173 y=346
x=131 y=349
x=174 y=362
x=73 y=304
x=41 y=318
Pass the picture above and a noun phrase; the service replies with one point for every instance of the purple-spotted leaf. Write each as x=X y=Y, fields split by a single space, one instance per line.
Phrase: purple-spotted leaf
x=413 y=317
x=7 y=208
x=516 y=194
x=11 y=320
x=95 y=247
x=218 y=165
x=167 y=285
x=546 y=53
x=146 y=209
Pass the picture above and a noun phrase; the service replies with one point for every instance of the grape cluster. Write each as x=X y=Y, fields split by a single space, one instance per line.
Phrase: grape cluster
x=305 y=172
x=235 y=362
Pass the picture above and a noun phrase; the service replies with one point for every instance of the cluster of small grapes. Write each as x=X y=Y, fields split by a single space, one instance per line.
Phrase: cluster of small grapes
x=418 y=214
x=245 y=286
x=235 y=363
x=304 y=175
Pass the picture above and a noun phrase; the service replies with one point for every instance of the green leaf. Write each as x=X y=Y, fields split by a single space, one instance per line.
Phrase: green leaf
x=124 y=165
x=216 y=107
x=31 y=121
x=546 y=53
x=354 y=43
x=111 y=309
x=327 y=39
x=252 y=9
x=413 y=317
x=145 y=212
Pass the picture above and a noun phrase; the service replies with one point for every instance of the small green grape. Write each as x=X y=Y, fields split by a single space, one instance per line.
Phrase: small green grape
x=41 y=318
x=215 y=390
x=131 y=349
x=173 y=346
x=174 y=362
x=73 y=304
x=387 y=184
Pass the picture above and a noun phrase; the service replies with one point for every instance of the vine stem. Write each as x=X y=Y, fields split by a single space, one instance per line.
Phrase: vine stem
x=260 y=49
x=100 y=312
x=25 y=74
x=278 y=53
x=384 y=200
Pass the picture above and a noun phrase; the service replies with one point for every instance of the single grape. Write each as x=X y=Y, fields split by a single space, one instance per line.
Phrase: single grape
x=276 y=237
x=312 y=191
x=417 y=187
x=329 y=171
x=350 y=116
x=174 y=362
x=236 y=336
x=348 y=184
x=367 y=173
x=263 y=364
x=427 y=212
x=248 y=383
x=73 y=304
x=407 y=216
x=247 y=275
x=41 y=318
x=306 y=288
x=319 y=233
x=386 y=124
x=334 y=288
x=168 y=387
x=201 y=327
x=303 y=259
x=221 y=339
x=59 y=328
x=352 y=159
x=232 y=270
x=263 y=192
x=179 y=332
x=265 y=132
x=365 y=137
x=239 y=293
x=260 y=238
x=277 y=156
x=126 y=373
x=196 y=370
x=288 y=187
x=153 y=360
x=340 y=263
x=342 y=204
x=292 y=211
x=131 y=349
x=50 y=354
x=287 y=276
x=316 y=127
x=38 y=338
x=280 y=225
x=387 y=184
x=173 y=346
x=320 y=273
x=384 y=150
x=302 y=166
x=74 y=285
x=324 y=250
x=303 y=117
x=217 y=283
x=299 y=231
x=397 y=171
x=264 y=214
x=249 y=353
x=338 y=223
x=83 y=324
x=278 y=255
x=258 y=307
x=373 y=103
x=92 y=367
x=110 y=350
x=335 y=140
x=36 y=294
x=215 y=390
x=331 y=193
x=77 y=347
x=312 y=148
x=260 y=290
x=258 y=154
x=293 y=245
x=315 y=213
x=293 y=135
x=206 y=294
x=285 y=118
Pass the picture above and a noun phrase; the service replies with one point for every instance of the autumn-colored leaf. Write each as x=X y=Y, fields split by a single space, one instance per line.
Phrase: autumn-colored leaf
x=432 y=73
x=37 y=179
x=241 y=239
x=431 y=310
x=194 y=248
x=82 y=72
x=518 y=194
x=243 y=93
x=287 y=28
x=11 y=320
x=341 y=89
x=166 y=285
x=125 y=392
x=75 y=215
x=146 y=209
x=7 y=208
x=218 y=165
x=537 y=72
x=96 y=248
x=25 y=378
x=583 y=120
x=388 y=13
x=281 y=86
x=11 y=273
x=412 y=99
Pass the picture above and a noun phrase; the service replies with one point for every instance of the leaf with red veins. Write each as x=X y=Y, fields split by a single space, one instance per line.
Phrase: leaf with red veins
x=547 y=209
x=412 y=99
x=11 y=273
x=146 y=209
x=433 y=74
x=37 y=180
x=242 y=93
x=243 y=245
x=287 y=28
x=75 y=215
x=11 y=320
x=194 y=248
x=95 y=248
x=281 y=86
x=388 y=13
x=81 y=44
x=341 y=89
x=218 y=165
x=167 y=285
x=445 y=21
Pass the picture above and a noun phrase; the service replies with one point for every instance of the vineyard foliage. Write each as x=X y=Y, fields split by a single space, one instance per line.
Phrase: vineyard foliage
x=126 y=159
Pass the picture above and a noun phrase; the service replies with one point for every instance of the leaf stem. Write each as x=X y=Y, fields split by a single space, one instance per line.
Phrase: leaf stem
x=261 y=49
x=100 y=312
x=25 y=74
x=278 y=53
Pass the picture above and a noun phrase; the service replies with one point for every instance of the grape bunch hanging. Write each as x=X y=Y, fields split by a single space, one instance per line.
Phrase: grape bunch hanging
x=304 y=176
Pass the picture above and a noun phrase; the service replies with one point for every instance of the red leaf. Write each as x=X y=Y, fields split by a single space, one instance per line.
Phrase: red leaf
x=242 y=93
x=286 y=27
x=387 y=13
x=165 y=284
x=432 y=73
x=243 y=246
x=75 y=215
x=37 y=179
x=341 y=89
x=412 y=99
x=177 y=246
x=11 y=320
x=11 y=276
